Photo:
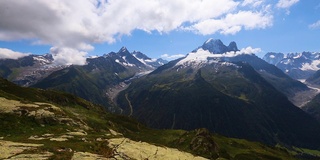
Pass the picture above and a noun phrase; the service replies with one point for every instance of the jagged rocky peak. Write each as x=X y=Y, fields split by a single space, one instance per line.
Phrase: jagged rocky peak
x=140 y=55
x=216 y=46
x=123 y=50
x=233 y=46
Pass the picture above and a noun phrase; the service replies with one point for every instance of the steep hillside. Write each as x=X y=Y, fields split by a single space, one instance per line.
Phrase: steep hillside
x=314 y=79
x=273 y=75
x=39 y=124
x=313 y=107
x=89 y=82
x=229 y=98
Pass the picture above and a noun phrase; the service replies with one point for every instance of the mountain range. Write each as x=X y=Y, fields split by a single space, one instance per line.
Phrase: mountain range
x=215 y=86
x=90 y=81
x=28 y=70
x=296 y=65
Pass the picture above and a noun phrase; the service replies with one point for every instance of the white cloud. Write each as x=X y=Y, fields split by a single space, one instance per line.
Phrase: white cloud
x=253 y=3
x=315 y=25
x=10 y=54
x=233 y=23
x=250 y=50
x=172 y=57
x=286 y=3
x=68 y=56
x=80 y=24
x=77 y=25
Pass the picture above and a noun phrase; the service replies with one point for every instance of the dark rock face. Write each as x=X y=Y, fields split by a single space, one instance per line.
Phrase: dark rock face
x=217 y=47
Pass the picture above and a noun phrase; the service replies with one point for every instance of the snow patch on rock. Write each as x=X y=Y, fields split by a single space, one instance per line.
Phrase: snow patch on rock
x=314 y=66
x=203 y=57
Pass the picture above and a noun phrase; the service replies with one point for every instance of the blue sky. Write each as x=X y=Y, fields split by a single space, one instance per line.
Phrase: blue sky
x=96 y=27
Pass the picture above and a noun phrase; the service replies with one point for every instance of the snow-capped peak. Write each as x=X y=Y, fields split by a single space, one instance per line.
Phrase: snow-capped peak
x=203 y=57
x=216 y=46
x=43 y=59
x=209 y=40
x=313 y=66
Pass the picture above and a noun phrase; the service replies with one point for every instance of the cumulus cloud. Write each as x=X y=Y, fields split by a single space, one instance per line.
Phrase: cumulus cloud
x=68 y=56
x=10 y=54
x=286 y=3
x=77 y=25
x=250 y=50
x=315 y=25
x=233 y=23
x=172 y=57
x=80 y=24
x=253 y=3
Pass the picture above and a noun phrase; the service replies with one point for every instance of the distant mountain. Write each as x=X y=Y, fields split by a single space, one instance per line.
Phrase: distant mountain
x=135 y=59
x=28 y=70
x=93 y=80
x=154 y=63
x=126 y=59
x=296 y=65
x=273 y=58
x=211 y=90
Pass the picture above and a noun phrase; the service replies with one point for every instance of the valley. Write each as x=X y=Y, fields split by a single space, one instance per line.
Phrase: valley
x=302 y=98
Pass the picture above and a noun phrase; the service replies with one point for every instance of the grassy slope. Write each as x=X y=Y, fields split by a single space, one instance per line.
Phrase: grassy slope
x=19 y=128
